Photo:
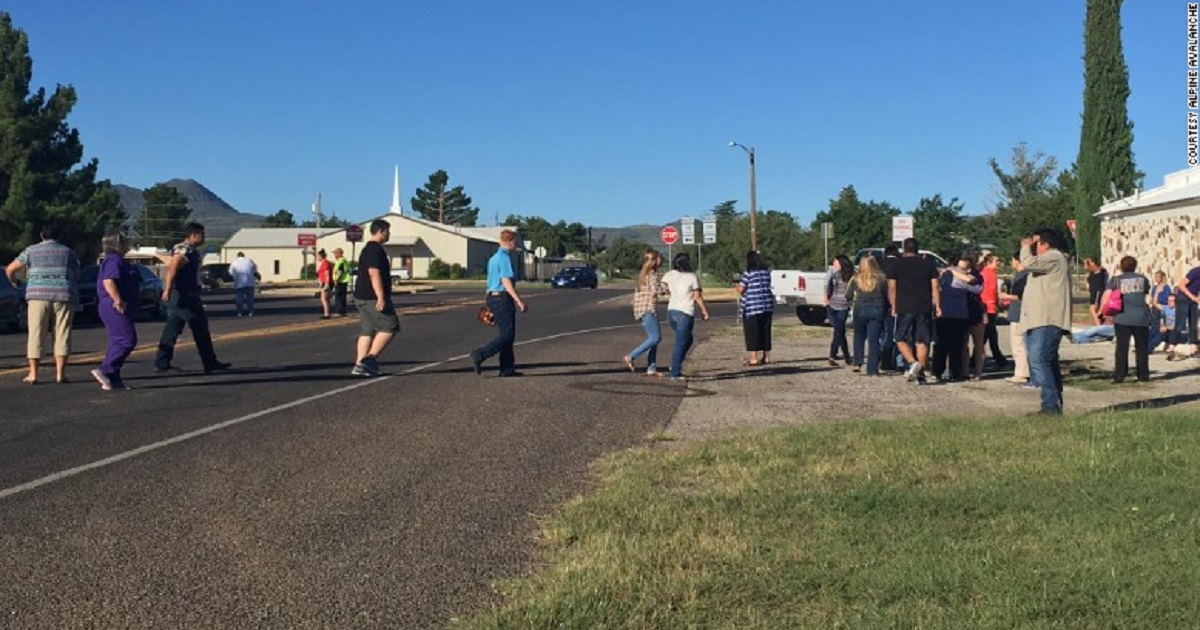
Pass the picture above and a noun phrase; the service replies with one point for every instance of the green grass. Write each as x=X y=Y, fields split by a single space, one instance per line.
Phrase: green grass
x=1083 y=522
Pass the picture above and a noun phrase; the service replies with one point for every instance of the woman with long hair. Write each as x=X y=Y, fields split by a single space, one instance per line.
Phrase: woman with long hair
x=868 y=292
x=958 y=290
x=645 y=307
x=325 y=280
x=118 y=284
x=976 y=317
x=758 y=305
x=841 y=270
x=683 y=285
x=1134 y=320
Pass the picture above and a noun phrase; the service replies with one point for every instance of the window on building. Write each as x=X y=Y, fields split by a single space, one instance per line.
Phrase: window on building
x=277 y=267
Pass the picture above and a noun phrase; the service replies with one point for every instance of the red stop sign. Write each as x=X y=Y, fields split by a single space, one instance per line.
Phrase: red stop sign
x=670 y=235
x=354 y=233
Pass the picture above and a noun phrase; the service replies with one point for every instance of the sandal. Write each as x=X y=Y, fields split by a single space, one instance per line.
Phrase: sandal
x=29 y=380
x=629 y=364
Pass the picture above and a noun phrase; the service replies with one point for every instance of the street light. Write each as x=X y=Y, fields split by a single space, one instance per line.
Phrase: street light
x=753 y=223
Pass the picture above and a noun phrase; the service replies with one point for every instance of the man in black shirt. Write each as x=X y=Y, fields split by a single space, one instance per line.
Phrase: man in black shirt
x=915 y=299
x=181 y=293
x=1097 y=282
x=378 y=322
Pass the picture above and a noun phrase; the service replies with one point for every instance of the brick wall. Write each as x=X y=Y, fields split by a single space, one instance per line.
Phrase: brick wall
x=1166 y=240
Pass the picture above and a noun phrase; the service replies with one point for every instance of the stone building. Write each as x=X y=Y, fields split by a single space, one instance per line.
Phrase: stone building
x=1160 y=227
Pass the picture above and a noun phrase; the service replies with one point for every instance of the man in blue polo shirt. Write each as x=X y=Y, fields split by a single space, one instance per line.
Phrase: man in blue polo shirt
x=504 y=302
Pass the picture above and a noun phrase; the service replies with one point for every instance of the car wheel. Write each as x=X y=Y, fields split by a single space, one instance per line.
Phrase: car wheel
x=810 y=316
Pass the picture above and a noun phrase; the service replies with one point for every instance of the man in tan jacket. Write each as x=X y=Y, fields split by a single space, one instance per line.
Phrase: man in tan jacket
x=1046 y=313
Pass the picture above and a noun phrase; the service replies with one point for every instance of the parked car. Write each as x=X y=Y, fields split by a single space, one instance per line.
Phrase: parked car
x=214 y=275
x=12 y=305
x=575 y=277
x=149 y=293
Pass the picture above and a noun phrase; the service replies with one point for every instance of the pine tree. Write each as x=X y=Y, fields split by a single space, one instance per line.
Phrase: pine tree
x=1105 y=156
x=435 y=203
x=38 y=151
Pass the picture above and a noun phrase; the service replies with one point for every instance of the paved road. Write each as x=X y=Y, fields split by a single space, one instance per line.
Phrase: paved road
x=289 y=494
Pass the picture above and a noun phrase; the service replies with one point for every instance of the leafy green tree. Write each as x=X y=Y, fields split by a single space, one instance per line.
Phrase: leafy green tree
x=856 y=223
x=1105 y=157
x=326 y=222
x=622 y=258
x=559 y=239
x=281 y=219
x=783 y=243
x=165 y=212
x=38 y=151
x=436 y=202
x=939 y=225
x=1033 y=195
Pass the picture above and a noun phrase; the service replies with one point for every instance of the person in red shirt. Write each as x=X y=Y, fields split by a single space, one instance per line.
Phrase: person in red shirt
x=991 y=304
x=325 y=279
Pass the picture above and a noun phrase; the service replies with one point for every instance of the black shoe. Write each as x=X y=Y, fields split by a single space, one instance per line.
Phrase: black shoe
x=477 y=363
x=1043 y=412
x=169 y=368
x=217 y=367
x=512 y=374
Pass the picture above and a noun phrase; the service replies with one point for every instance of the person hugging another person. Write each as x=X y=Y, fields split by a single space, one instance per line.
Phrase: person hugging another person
x=868 y=292
x=840 y=272
x=1133 y=320
x=686 y=297
x=958 y=288
x=758 y=305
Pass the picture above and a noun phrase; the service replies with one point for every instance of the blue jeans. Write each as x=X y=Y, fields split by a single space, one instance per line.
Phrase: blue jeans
x=868 y=321
x=1095 y=333
x=682 y=324
x=1185 y=318
x=245 y=300
x=505 y=310
x=1041 y=344
x=838 y=319
x=650 y=345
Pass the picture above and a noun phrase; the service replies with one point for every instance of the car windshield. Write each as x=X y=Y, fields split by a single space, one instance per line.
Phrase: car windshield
x=571 y=271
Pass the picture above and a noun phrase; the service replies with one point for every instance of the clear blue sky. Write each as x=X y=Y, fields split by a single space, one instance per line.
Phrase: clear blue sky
x=609 y=113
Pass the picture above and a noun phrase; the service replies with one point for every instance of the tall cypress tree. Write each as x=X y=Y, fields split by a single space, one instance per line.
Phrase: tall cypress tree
x=1106 y=138
x=436 y=202
x=39 y=153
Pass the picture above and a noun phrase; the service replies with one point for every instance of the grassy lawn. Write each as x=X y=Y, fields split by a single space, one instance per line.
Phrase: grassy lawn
x=1084 y=522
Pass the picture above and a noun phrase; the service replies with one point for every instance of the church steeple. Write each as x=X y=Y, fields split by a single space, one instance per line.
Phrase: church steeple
x=396 y=209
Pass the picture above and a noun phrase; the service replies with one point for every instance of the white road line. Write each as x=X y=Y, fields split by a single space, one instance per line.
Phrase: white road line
x=142 y=450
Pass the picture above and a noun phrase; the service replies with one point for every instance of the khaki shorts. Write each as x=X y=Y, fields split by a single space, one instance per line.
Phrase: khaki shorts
x=372 y=322
x=46 y=317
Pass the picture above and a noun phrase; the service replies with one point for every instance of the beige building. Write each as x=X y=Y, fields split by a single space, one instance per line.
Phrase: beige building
x=414 y=244
x=1159 y=227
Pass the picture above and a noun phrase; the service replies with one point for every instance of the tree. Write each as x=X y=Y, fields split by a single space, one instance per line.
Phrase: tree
x=1105 y=159
x=165 y=212
x=1034 y=195
x=281 y=219
x=623 y=258
x=434 y=202
x=333 y=222
x=856 y=223
x=38 y=151
x=559 y=239
x=938 y=225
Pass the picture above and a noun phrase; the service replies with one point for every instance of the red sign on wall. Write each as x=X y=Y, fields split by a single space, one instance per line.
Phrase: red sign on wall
x=306 y=240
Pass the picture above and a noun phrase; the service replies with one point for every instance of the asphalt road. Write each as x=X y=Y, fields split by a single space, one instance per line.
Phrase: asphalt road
x=287 y=493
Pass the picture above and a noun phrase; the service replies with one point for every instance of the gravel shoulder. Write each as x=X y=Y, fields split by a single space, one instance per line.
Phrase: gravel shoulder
x=800 y=388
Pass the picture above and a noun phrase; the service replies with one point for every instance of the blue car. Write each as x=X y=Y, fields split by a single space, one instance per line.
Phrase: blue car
x=576 y=278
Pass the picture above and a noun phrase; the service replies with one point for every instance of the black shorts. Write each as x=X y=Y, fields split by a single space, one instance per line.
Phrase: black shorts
x=912 y=328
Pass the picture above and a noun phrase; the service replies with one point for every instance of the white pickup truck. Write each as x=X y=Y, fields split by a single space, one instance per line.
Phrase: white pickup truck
x=805 y=290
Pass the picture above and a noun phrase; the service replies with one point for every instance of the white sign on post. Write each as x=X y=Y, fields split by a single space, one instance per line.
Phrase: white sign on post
x=710 y=230
x=902 y=228
x=687 y=229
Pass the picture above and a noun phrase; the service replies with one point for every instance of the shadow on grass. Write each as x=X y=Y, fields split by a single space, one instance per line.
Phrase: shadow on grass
x=1153 y=403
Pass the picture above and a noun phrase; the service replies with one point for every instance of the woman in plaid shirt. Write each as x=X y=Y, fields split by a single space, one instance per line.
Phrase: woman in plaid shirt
x=645 y=301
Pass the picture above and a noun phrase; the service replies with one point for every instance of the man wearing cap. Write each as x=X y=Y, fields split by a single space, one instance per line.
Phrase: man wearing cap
x=341 y=280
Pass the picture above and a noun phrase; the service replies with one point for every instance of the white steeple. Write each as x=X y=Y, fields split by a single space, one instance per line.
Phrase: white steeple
x=396 y=209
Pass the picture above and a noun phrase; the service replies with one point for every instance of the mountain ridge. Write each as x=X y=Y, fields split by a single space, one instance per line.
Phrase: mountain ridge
x=219 y=219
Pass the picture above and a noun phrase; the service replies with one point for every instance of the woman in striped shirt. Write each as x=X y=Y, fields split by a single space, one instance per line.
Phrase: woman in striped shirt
x=645 y=302
x=758 y=302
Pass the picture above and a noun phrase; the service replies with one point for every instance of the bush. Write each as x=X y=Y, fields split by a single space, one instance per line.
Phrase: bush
x=439 y=270
x=456 y=272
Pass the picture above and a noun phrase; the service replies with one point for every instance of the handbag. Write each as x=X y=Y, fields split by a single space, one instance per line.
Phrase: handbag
x=1114 y=305
x=486 y=317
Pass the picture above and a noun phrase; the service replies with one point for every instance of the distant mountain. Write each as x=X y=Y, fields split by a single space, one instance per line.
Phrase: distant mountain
x=220 y=219
x=645 y=233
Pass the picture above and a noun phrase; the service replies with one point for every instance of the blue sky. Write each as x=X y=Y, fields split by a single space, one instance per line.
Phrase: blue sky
x=609 y=113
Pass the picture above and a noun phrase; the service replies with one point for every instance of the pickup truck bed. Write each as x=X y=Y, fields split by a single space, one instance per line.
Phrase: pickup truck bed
x=804 y=290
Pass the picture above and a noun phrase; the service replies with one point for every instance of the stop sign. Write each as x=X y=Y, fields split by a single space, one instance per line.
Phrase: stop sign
x=354 y=233
x=670 y=235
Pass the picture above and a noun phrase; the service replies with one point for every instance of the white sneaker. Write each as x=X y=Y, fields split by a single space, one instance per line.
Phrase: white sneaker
x=102 y=378
x=914 y=370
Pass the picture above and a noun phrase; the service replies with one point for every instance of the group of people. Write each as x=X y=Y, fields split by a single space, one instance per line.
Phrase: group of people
x=1151 y=313
x=333 y=280
x=682 y=285
x=51 y=272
